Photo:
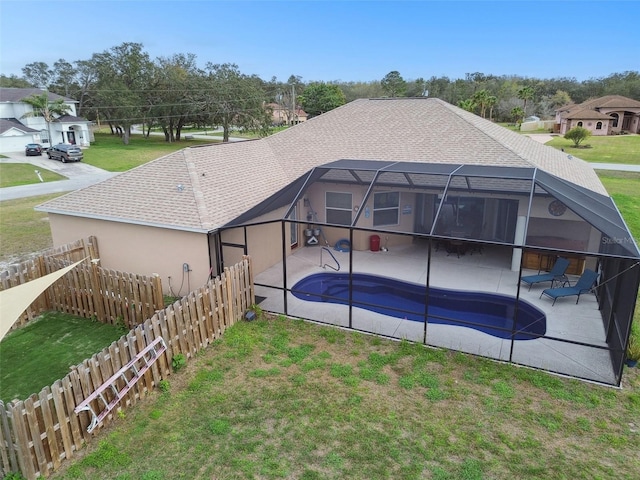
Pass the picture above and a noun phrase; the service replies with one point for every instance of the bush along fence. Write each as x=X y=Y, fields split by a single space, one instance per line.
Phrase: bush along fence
x=41 y=432
x=88 y=290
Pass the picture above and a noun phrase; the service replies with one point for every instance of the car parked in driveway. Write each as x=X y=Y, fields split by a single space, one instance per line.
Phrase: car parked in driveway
x=32 y=149
x=65 y=153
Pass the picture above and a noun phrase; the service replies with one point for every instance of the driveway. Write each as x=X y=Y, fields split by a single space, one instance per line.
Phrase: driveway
x=79 y=175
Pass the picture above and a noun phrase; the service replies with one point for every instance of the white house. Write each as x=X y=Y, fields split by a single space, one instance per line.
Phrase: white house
x=16 y=130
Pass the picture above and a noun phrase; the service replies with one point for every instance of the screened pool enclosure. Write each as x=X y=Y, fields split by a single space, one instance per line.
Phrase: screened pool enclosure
x=435 y=253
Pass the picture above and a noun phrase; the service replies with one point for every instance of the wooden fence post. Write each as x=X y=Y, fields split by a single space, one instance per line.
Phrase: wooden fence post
x=158 y=297
x=97 y=294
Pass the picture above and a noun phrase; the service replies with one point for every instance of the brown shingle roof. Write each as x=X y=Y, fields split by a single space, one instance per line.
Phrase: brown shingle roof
x=585 y=113
x=220 y=182
x=611 y=101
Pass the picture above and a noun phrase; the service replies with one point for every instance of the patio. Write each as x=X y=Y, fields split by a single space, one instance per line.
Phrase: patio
x=489 y=271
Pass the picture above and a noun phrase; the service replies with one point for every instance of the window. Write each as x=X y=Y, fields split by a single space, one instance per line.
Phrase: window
x=615 y=119
x=599 y=126
x=386 y=208
x=338 y=208
x=579 y=124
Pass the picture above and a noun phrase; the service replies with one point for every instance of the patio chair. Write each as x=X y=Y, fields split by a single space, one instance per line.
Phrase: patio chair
x=557 y=272
x=583 y=285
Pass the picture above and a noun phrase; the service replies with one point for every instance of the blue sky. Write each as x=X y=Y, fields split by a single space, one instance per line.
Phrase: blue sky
x=337 y=40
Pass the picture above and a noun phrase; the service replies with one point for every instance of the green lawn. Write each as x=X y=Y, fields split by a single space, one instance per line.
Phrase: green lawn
x=290 y=399
x=623 y=187
x=623 y=149
x=23 y=230
x=13 y=174
x=42 y=351
x=109 y=153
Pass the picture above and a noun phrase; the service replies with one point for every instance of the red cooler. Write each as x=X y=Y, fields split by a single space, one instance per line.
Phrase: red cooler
x=374 y=243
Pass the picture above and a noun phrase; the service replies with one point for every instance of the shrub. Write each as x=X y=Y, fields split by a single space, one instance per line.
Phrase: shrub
x=577 y=135
x=178 y=361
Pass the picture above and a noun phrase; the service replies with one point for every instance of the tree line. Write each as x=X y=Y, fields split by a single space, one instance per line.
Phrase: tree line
x=123 y=86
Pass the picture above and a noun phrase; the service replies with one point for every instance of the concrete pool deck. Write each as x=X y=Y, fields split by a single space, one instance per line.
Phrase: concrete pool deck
x=488 y=272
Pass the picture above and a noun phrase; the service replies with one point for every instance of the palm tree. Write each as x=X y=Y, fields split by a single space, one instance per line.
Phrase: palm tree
x=48 y=109
x=469 y=104
x=491 y=102
x=525 y=93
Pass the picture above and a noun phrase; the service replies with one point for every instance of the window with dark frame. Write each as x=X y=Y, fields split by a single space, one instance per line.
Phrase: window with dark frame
x=386 y=208
x=338 y=207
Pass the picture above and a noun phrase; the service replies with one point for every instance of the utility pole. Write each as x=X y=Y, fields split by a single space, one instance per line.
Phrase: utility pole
x=293 y=104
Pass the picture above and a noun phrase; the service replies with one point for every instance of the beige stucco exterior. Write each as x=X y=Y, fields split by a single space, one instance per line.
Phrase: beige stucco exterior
x=141 y=249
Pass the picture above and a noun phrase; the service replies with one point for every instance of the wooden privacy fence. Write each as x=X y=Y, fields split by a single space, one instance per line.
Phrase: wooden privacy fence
x=39 y=433
x=88 y=290
x=36 y=267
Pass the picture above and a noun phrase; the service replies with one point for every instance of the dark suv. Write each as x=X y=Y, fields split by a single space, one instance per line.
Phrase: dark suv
x=33 y=149
x=65 y=153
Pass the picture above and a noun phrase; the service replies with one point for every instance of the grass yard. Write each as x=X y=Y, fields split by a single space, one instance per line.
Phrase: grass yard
x=23 y=231
x=109 y=153
x=13 y=174
x=623 y=149
x=42 y=351
x=289 y=399
x=623 y=187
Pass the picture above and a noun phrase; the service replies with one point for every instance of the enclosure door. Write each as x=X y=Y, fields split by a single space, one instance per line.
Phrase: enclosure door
x=507 y=216
x=425 y=209
x=294 y=227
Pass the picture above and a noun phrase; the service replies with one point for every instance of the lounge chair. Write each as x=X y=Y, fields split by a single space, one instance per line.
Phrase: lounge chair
x=583 y=285
x=556 y=273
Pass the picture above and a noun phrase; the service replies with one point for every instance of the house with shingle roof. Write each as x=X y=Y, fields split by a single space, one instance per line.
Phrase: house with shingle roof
x=16 y=130
x=160 y=215
x=608 y=115
x=281 y=115
x=414 y=172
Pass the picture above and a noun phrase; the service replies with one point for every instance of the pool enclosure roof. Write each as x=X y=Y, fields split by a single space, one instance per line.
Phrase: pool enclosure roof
x=452 y=181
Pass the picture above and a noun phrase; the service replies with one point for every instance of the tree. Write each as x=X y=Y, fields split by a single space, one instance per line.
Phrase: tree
x=525 y=93
x=46 y=108
x=393 y=84
x=577 y=135
x=38 y=74
x=469 y=104
x=174 y=101
x=122 y=87
x=560 y=99
x=63 y=77
x=236 y=100
x=491 y=102
x=481 y=98
x=13 y=81
x=320 y=97
x=517 y=114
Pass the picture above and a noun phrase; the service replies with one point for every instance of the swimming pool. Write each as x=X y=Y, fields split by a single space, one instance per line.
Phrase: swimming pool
x=487 y=312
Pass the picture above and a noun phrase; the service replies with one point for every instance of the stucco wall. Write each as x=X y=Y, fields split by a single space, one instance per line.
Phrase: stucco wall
x=142 y=250
x=264 y=243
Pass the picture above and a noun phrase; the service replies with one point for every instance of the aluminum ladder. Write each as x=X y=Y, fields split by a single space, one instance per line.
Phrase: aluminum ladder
x=135 y=368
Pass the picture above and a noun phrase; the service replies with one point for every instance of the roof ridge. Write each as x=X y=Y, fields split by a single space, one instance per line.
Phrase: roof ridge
x=457 y=111
x=198 y=195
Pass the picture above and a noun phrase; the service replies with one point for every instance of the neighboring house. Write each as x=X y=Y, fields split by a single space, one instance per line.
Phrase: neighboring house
x=609 y=115
x=16 y=130
x=411 y=169
x=282 y=115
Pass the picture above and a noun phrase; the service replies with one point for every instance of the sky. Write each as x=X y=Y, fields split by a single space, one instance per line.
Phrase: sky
x=337 y=40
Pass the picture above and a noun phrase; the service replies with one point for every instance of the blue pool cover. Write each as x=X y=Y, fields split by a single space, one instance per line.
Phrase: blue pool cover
x=487 y=312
